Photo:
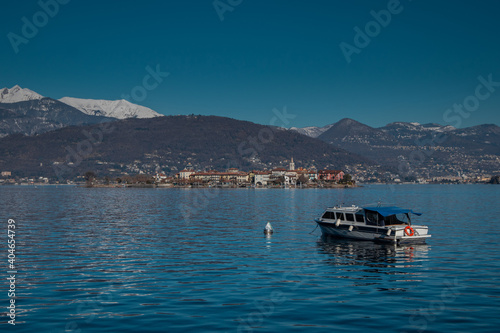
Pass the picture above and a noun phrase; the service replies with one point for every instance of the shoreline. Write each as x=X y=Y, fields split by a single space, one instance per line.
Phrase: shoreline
x=170 y=186
x=214 y=187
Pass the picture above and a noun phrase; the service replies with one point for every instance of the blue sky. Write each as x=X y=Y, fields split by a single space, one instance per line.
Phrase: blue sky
x=263 y=55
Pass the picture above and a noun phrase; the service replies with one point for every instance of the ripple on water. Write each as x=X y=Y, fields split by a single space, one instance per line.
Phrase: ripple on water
x=128 y=260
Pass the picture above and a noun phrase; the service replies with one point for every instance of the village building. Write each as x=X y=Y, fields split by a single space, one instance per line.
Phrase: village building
x=312 y=174
x=279 y=172
x=220 y=177
x=262 y=178
x=330 y=175
x=160 y=177
x=290 y=179
x=186 y=173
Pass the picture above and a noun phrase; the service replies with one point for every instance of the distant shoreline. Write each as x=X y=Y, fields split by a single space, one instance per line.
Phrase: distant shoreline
x=277 y=187
x=174 y=187
x=153 y=186
x=215 y=187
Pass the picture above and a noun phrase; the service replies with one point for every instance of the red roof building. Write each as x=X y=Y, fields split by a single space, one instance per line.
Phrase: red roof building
x=333 y=175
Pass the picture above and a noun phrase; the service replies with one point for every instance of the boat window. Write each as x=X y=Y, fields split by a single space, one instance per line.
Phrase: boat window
x=329 y=215
x=360 y=218
x=371 y=218
x=349 y=217
x=393 y=219
x=340 y=216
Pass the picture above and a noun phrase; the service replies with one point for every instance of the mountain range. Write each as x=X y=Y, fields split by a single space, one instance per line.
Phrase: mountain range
x=18 y=94
x=428 y=149
x=37 y=116
x=312 y=131
x=166 y=144
x=120 y=109
x=27 y=112
x=38 y=131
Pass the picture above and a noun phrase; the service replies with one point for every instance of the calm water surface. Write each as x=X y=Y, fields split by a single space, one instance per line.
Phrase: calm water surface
x=196 y=260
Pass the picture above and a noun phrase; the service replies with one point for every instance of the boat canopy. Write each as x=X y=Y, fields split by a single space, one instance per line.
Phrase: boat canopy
x=392 y=210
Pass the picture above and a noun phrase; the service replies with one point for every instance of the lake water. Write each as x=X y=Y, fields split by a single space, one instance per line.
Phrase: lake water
x=196 y=260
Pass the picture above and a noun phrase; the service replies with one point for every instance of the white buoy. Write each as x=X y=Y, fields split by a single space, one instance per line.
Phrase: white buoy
x=350 y=228
x=268 y=229
x=337 y=223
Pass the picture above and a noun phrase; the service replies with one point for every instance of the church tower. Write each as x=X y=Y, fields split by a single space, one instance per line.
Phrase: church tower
x=292 y=165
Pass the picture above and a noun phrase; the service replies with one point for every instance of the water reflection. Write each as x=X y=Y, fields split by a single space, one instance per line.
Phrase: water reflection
x=369 y=258
x=268 y=240
x=372 y=252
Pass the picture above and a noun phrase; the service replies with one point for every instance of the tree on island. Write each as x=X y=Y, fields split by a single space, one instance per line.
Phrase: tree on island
x=347 y=179
x=143 y=179
x=90 y=177
x=303 y=179
x=495 y=180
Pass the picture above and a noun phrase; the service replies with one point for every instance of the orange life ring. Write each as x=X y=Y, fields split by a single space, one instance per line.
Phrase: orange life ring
x=410 y=232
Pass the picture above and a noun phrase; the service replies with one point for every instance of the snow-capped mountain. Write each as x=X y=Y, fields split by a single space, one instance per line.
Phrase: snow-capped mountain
x=26 y=112
x=120 y=109
x=413 y=128
x=17 y=94
x=312 y=131
x=41 y=115
x=417 y=127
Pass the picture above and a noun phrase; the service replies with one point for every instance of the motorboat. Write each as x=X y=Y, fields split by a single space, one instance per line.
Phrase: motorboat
x=375 y=223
